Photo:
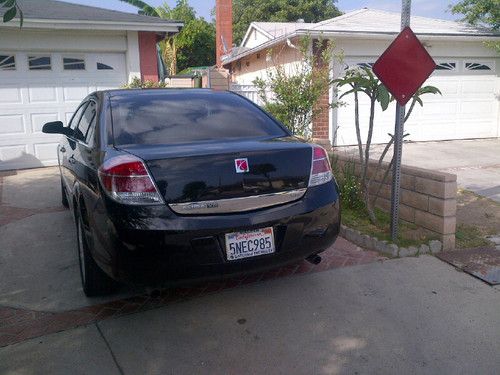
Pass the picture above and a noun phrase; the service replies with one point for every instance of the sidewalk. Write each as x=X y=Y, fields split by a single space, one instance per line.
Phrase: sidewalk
x=412 y=315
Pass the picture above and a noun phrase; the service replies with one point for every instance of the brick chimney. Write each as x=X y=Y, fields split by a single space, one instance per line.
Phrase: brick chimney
x=223 y=28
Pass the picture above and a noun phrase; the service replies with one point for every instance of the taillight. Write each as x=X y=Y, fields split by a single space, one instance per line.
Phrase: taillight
x=321 y=171
x=126 y=180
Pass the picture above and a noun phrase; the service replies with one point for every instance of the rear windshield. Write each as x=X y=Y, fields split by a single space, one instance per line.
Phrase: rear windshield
x=162 y=117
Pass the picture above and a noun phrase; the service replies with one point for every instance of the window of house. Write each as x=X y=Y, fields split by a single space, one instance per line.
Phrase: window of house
x=478 y=66
x=39 y=63
x=446 y=66
x=7 y=62
x=102 y=66
x=366 y=65
x=71 y=63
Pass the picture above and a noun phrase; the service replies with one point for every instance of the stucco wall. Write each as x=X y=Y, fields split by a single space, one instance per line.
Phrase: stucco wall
x=246 y=70
x=255 y=38
x=465 y=98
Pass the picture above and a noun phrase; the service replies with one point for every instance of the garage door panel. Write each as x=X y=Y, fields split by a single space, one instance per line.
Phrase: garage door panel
x=474 y=87
x=10 y=95
x=448 y=86
x=476 y=128
x=13 y=152
x=12 y=124
x=439 y=109
x=431 y=131
x=75 y=93
x=39 y=119
x=477 y=108
x=46 y=152
x=42 y=94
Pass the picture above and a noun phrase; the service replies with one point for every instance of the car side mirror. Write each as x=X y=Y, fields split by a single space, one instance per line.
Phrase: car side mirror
x=55 y=127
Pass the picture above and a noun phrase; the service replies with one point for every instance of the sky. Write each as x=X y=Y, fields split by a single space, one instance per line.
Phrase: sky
x=425 y=8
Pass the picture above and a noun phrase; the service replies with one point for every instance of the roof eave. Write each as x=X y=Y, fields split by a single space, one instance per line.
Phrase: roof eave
x=95 y=25
x=253 y=26
x=354 y=35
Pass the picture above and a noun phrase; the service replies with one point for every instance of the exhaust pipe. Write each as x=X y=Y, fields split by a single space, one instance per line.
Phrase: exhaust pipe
x=314 y=259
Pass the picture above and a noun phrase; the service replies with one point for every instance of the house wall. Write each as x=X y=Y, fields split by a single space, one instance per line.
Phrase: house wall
x=179 y=82
x=247 y=69
x=132 y=56
x=422 y=123
x=255 y=38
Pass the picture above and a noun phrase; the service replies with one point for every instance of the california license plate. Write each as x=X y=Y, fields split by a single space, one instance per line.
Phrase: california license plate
x=248 y=244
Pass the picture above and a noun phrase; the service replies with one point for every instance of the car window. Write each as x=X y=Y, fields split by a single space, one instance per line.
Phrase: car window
x=89 y=139
x=77 y=115
x=84 y=125
x=174 y=116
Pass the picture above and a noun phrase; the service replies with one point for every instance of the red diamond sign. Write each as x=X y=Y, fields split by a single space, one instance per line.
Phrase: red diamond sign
x=404 y=66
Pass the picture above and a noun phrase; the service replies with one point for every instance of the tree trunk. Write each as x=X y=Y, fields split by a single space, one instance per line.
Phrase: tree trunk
x=358 y=129
x=365 y=181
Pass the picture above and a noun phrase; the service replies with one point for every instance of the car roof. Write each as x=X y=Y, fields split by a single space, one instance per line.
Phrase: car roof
x=138 y=91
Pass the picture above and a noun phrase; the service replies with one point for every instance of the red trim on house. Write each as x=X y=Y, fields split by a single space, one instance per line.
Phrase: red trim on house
x=147 y=56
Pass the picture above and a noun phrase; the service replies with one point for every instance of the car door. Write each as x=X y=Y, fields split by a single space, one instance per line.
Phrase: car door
x=67 y=148
x=83 y=160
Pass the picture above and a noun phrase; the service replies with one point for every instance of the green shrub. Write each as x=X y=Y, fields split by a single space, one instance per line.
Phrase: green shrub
x=349 y=185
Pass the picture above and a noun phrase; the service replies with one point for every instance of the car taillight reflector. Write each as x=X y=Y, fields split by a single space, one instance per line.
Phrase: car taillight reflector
x=321 y=171
x=126 y=180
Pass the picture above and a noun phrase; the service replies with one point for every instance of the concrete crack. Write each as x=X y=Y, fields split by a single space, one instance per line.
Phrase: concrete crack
x=120 y=370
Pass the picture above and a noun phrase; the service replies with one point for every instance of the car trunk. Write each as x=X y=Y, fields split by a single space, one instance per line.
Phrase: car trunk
x=206 y=172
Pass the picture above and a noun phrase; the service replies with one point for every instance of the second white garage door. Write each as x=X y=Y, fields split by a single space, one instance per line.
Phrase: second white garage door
x=468 y=108
x=36 y=88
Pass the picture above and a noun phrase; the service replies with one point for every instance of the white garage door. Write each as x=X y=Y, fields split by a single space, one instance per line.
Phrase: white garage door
x=39 y=87
x=468 y=108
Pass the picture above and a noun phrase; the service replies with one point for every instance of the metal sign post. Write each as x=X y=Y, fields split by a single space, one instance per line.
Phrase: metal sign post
x=398 y=141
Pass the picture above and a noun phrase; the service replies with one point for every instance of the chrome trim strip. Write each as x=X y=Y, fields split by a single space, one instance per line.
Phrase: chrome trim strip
x=233 y=205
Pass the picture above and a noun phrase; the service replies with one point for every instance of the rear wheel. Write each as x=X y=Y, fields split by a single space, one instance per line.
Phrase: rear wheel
x=64 y=198
x=94 y=281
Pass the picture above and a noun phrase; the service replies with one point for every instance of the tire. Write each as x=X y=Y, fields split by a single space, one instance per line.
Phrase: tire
x=64 y=198
x=94 y=281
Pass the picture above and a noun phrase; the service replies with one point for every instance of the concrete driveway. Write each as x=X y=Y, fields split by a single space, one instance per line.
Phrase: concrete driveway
x=475 y=162
x=354 y=313
x=405 y=316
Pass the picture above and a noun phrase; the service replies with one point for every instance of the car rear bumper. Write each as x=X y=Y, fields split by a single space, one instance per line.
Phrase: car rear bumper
x=157 y=247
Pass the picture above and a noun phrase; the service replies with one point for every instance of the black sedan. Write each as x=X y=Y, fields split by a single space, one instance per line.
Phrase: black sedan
x=169 y=184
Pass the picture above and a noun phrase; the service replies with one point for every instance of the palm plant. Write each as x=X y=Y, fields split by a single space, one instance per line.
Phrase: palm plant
x=144 y=8
x=168 y=45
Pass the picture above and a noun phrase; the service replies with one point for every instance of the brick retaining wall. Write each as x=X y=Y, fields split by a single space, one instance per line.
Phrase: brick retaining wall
x=428 y=198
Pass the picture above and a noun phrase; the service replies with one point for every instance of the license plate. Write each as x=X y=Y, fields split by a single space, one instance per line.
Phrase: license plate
x=248 y=244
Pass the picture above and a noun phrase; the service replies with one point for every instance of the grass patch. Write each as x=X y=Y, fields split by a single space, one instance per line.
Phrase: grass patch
x=409 y=234
x=469 y=237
